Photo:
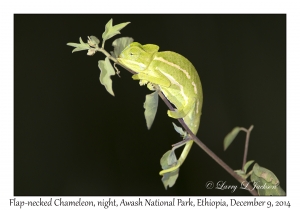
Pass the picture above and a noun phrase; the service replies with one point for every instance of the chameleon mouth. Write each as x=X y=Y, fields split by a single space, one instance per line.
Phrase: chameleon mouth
x=127 y=62
x=121 y=60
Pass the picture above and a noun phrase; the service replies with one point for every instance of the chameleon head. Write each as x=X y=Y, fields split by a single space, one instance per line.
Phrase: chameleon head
x=137 y=57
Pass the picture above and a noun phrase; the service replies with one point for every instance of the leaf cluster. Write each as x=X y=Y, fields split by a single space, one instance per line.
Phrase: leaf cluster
x=92 y=45
x=263 y=179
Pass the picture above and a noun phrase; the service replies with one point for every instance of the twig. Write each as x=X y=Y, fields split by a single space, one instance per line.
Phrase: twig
x=248 y=131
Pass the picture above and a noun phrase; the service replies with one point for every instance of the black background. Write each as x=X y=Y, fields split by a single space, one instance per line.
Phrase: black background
x=71 y=137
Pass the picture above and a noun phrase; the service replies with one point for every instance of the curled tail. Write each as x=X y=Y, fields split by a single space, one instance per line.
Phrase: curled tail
x=180 y=161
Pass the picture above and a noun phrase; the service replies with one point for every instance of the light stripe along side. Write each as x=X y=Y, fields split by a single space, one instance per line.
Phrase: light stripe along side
x=174 y=65
x=173 y=81
x=195 y=88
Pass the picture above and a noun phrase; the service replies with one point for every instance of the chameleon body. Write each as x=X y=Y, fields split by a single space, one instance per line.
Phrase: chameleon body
x=176 y=77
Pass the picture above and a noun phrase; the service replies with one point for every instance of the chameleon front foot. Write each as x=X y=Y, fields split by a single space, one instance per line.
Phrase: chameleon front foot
x=143 y=82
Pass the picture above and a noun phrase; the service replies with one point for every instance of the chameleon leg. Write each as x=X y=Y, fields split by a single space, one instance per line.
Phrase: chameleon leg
x=156 y=78
x=180 y=161
x=181 y=113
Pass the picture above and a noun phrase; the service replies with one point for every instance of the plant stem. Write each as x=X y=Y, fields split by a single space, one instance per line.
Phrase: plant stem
x=113 y=59
x=248 y=131
x=244 y=182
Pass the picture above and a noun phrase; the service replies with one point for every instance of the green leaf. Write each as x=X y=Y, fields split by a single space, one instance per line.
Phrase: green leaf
x=167 y=161
x=241 y=173
x=150 y=106
x=179 y=130
x=164 y=160
x=106 y=71
x=246 y=166
x=93 y=41
x=230 y=137
x=79 y=46
x=169 y=179
x=120 y=44
x=172 y=159
x=111 y=30
x=265 y=181
x=265 y=174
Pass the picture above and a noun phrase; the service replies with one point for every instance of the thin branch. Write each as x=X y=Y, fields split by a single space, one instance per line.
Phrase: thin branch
x=246 y=143
x=244 y=182
x=181 y=143
x=114 y=59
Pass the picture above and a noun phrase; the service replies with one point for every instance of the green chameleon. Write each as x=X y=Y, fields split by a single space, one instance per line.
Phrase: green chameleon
x=176 y=77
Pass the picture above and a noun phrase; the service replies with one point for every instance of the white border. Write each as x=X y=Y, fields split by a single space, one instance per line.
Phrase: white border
x=291 y=8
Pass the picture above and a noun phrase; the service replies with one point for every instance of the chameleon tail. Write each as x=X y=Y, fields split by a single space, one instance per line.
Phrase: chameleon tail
x=180 y=161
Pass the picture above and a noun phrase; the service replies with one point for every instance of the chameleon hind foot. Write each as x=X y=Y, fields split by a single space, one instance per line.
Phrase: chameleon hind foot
x=176 y=114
